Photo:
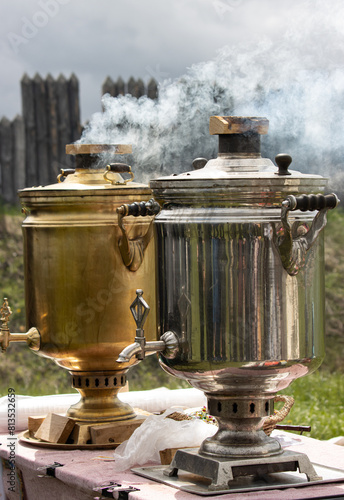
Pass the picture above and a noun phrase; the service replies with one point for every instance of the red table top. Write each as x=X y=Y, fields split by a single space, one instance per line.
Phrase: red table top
x=84 y=470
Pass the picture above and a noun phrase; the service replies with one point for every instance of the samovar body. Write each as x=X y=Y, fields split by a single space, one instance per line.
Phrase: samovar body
x=241 y=318
x=83 y=262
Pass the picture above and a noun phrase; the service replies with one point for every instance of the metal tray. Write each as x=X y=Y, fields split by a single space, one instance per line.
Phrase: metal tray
x=198 y=485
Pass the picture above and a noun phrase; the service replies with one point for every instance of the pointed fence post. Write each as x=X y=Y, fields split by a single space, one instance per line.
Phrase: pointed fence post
x=52 y=123
x=18 y=133
x=74 y=108
x=63 y=120
x=109 y=87
x=152 y=89
x=28 y=107
x=43 y=165
x=6 y=161
x=120 y=87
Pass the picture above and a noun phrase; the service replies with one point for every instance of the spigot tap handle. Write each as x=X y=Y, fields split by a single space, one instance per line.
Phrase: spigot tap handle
x=5 y=317
x=5 y=313
x=140 y=310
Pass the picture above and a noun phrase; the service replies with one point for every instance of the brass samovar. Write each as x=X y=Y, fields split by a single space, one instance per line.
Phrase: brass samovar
x=241 y=294
x=83 y=262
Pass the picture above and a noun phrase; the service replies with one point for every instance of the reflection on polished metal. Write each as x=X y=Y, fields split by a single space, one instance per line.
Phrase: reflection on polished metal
x=241 y=282
x=78 y=289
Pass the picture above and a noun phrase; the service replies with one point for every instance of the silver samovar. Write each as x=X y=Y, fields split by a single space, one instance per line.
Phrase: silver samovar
x=241 y=294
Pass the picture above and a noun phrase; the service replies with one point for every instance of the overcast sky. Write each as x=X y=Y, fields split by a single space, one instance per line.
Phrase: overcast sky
x=140 y=38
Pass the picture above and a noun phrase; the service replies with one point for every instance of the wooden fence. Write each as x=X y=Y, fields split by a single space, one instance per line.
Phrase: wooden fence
x=134 y=87
x=32 y=146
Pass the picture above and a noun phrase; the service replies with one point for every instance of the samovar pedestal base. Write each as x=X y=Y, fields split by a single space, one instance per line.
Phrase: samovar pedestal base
x=222 y=471
x=99 y=402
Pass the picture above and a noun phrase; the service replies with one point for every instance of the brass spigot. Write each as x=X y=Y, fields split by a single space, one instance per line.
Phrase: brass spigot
x=31 y=337
x=168 y=344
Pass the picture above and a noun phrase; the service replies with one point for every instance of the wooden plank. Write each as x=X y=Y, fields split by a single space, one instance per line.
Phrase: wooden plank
x=132 y=86
x=55 y=428
x=64 y=132
x=28 y=108
x=115 y=432
x=81 y=433
x=78 y=149
x=41 y=130
x=52 y=124
x=120 y=86
x=18 y=131
x=34 y=423
x=6 y=162
x=152 y=89
x=136 y=87
x=167 y=455
x=74 y=108
x=237 y=125
x=109 y=87
x=140 y=88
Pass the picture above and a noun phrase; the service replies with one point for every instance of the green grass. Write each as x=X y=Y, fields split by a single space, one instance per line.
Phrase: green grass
x=319 y=402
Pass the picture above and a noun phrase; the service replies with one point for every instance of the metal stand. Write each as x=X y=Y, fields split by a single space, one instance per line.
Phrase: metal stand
x=222 y=471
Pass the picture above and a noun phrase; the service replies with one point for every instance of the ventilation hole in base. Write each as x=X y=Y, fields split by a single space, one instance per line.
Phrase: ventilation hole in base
x=96 y=382
x=252 y=407
x=87 y=382
x=73 y=382
x=122 y=383
x=79 y=382
x=235 y=408
x=267 y=407
x=219 y=407
x=106 y=382
x=115 y=381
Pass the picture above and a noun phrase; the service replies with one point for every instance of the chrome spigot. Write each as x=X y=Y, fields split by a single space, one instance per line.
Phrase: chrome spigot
x=31 y=337
x=168 y=344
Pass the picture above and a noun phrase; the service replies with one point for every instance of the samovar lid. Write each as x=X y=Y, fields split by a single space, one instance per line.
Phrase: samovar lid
x=92 y=176
x=239 y=175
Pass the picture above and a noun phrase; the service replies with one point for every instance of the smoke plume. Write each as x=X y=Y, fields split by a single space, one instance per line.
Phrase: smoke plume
x=296 y=82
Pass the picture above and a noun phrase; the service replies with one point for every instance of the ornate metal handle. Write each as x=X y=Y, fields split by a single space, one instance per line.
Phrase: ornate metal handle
x=118 y=168
x=168 y=343
x=31 y=337
x=132 y=251
x=293 y=250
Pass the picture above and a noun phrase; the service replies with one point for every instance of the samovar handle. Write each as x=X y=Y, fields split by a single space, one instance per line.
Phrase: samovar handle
x=132 y=251
x=118 y=168
x=64 y=172
x=293 y=250
x=168 y=344
x=31 y=337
